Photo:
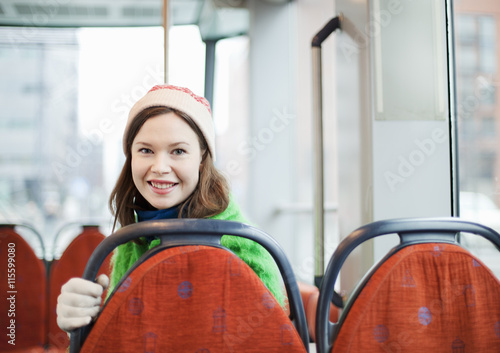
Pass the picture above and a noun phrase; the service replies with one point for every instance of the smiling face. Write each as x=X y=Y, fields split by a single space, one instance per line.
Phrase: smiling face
x=166 y=159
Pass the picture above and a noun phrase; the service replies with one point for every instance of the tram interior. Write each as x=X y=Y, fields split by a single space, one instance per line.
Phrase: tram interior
x=409 y=101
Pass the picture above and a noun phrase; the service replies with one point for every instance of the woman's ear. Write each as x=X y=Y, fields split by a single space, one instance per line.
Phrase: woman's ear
x=202 y=158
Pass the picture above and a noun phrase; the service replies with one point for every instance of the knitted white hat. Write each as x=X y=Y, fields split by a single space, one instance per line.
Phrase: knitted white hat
x=181 y=99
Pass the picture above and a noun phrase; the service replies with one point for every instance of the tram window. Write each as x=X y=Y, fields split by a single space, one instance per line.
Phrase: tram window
x=465 y=28
x=65 y=94
x=477 y=61
x=487 y=28
x=488 y=128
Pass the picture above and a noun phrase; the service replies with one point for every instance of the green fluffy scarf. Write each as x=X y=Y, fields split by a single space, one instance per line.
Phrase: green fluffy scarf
x=249 y=251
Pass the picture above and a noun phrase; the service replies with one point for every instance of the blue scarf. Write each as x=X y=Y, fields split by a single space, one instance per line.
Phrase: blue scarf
x=169 y=213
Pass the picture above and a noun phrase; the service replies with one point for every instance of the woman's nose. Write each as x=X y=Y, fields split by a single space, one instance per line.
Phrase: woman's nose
x=161 y=165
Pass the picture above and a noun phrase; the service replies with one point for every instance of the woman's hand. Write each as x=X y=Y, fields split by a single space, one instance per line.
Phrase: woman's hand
x=79 y=302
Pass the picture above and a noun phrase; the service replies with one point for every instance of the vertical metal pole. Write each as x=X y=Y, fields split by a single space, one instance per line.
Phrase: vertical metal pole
x=210 y=45
x=166 y=26
x=452 y=86
x=319 y=202
x=319 y=212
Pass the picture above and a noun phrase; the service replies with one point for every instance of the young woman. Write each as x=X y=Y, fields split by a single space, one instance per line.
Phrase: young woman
x=169 y=172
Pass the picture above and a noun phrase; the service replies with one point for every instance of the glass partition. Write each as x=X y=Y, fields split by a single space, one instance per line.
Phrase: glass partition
x=477 y=38
x=409 y=66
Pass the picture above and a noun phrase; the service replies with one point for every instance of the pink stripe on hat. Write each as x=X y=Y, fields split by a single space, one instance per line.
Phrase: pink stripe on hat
x=200 y=99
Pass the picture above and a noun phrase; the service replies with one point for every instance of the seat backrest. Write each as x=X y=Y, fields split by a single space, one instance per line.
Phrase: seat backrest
x=23 y=284
x=428 y=294
x=197 y=298
x=71 y=264
x=208 y=300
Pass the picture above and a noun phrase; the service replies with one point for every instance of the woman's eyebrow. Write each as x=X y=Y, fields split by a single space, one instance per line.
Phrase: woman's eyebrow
x=142 y=143
x=174 y=144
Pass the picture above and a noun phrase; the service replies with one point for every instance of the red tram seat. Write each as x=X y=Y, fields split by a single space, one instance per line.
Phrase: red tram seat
x=427 y=295
x=71 y=264
x=191 y=295
x=23 y=285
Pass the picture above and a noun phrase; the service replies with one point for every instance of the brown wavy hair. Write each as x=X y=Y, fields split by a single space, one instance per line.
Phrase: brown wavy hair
x=210 y=197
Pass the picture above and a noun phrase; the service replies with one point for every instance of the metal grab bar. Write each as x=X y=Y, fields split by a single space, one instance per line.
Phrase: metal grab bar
x=319 y=221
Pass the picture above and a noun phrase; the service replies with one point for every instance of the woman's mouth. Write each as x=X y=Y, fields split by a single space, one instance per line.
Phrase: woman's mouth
x=161 y=187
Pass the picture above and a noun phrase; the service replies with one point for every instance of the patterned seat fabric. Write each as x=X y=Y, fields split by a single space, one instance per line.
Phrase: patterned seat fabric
x=193 y=299
x=433 y=297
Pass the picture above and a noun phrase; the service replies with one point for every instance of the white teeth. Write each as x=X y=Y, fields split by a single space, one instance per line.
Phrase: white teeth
x=161 y=185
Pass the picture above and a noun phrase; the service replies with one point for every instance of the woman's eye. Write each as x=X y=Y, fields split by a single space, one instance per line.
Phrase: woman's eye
x=179 y=151
x=145 y=150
